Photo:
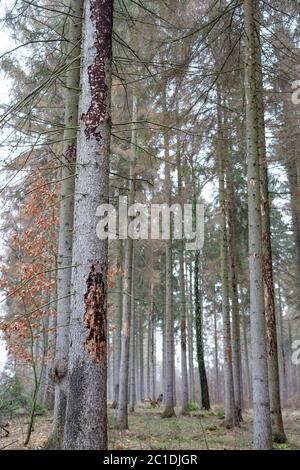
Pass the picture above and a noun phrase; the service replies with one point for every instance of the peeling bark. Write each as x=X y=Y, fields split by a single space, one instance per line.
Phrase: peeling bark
x=95 y=316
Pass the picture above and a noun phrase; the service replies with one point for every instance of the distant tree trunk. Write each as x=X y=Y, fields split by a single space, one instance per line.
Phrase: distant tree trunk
x=262 y=434
x=86 y=417
x=133 y=343
x=230 y=414
x=48 y=399
x=183 y=336
x=117 y=336
x=65 y=236
x=122 y=416
x=149 y=341
x=141 y=355
x=191 y=337
x=216 y=354
x=169 y=320
x=281 y=351
x=153 y=356
x=235 y=316
x=199 y=335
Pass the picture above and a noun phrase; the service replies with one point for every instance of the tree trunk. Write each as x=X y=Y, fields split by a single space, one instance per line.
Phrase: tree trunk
x=262 y=435
x=183 y=339
x=216 y=354
x=122 y=416
x=133 y=343
x=230 y=414
x=65 y=236
x=141 y=355
x=86 y=417
x=191 y=337
x=199 y=335
x=169 y=320
x=119 y=309
x=235 y=316
x=269 y=293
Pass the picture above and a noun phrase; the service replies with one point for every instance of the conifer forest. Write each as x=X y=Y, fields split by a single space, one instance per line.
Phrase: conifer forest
x=149 y=225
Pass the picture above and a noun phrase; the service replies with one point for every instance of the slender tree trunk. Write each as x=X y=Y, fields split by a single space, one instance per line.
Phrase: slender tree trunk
x=183 y=336
x=65 y=237
x=191 y=337
x=262 y=434
x=141 y=355
x=230 y=414
x=169 y=320
x=199 y=335
x=133 y=342
x=281 y=351
x=235 y=316
x=122 y=416
x=86 y=417
x=216 y=354
x=119 y=309
x=153 y=355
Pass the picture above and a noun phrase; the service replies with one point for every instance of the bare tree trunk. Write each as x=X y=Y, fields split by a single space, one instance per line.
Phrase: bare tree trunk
x=183 y=339
x=65 y=237
x=216 y=355
x=199 y=334
x=122 y=416
x=141 y=355
x=191 y=337
x=230 y=414
x=117 y=337
x=133 y=343
x=235 y=316
x=281 y=351
x=262 y=434
x=278 y=434
x=169 y=320
x=86 y=417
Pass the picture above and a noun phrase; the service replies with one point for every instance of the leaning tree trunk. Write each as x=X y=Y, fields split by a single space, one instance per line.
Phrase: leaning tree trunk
x=65 y=236
x=122 y=415
x=262 y=434
x=86 y=417
x=270 y=312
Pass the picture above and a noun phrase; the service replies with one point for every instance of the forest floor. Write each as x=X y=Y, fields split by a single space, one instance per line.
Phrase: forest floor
x=147 y=430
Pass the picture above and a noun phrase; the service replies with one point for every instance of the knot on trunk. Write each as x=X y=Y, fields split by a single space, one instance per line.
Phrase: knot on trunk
x=58 y=372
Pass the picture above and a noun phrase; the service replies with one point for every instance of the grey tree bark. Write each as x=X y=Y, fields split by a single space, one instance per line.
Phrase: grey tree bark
x=86 y=416
x=262 y=434
x=191 y=335
x=65 y=236
x=278 y=433
x=133 y=342
x=230 y=414
x=122 y=415
x=183 y=330
x=169 y=319
x=117 y=337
